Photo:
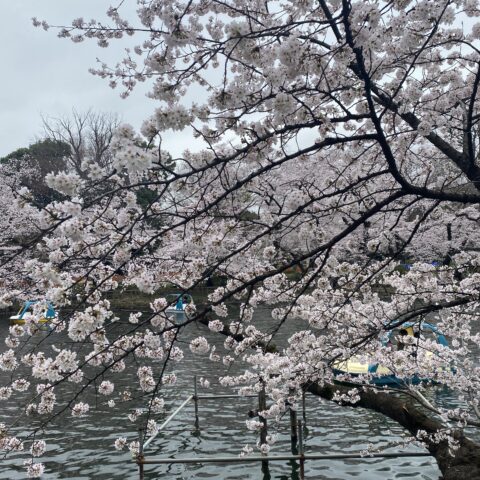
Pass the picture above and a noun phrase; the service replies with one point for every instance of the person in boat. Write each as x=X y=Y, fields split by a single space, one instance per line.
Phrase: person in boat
x=417 y=337
x=408 y=339
x=179 y=304
x=401 y=339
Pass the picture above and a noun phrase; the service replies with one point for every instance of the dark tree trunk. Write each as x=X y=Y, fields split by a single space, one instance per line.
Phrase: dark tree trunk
x=466 y=462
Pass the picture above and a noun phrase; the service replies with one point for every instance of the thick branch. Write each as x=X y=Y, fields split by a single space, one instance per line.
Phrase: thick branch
x=466 y=460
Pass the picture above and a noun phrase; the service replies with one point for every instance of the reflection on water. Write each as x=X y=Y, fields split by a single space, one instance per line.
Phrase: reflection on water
x=82 y=448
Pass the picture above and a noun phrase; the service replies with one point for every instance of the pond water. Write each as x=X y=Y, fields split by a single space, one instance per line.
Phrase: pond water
x=82 y=448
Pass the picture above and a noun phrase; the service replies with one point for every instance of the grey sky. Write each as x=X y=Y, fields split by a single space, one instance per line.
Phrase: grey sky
x=43 y=74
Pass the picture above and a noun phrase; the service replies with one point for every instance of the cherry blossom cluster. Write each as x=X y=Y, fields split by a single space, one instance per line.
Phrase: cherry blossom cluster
x=336 y=192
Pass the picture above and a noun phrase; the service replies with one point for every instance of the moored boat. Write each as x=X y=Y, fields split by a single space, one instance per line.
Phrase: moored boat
x=48 y=313
x=179 y=302
x=406 y=337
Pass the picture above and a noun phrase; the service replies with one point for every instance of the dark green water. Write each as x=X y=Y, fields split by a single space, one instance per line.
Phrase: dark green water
x=82 y=448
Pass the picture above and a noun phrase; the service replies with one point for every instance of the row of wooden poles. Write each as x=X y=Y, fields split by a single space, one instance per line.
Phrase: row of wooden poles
x=296 y=439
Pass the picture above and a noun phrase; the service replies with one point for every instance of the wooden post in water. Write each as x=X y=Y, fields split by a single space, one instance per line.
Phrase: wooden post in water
x=195 y=399
x=140 y=456
x=293 y=427
x=262 y=405
x=303 y=408
x=301 y=451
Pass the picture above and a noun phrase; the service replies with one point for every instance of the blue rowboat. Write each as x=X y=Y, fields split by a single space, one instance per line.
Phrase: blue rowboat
x=48 y=313
x=381 y=375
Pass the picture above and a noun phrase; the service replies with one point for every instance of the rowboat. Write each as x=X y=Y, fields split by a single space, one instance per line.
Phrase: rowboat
x=48 y=314
x=179 y=302
x=407 y=335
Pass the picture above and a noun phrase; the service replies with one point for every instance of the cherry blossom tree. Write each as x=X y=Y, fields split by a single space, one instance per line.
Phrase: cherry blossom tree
x=18 y=215
x=340 y=141
x=19 y=229
x=27 y=167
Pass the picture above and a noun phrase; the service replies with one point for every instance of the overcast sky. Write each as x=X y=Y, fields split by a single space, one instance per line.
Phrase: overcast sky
x=46 y=75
